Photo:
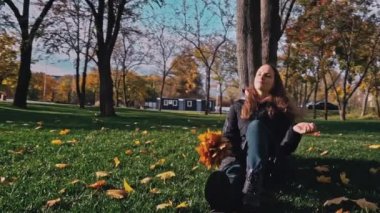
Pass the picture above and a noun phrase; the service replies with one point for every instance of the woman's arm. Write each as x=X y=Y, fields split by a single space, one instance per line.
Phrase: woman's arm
x=231 y=128
x=293 y=136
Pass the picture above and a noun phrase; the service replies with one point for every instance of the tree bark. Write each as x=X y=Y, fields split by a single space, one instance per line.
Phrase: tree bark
x=162 y=91
x=258 y=30
x=241 y=47
x=377 y=104
x=365 y=101
x=26 y=47
x=106 y=86
x=24 y=75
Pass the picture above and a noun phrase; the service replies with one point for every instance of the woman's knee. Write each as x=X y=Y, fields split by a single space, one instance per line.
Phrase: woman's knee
x=255 y=125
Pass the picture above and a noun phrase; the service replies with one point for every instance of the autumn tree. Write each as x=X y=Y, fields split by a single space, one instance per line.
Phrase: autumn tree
x=8 y=57
x=108 y=17
x=224 y=71
x=314 y=43
x=64 y=89
x=72 y=34
x=42 y=87
x=129 y=53
x=259 y=27
x=137 y=90
x=92 y=88
x=186 y=78
x=166 y=47
x=205 y=25
x=28 y=32
x=356 y=51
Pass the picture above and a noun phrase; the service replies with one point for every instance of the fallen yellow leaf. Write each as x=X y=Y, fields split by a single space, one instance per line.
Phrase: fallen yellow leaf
x=128 y=152
x=117 y=161
x=343 y=178
x=374 y=146
x=145 y=180
x=61 y=165
x=72 y=141
x=98 y=184
x=64 y=132
x=155 y=191
x=335 y=201
x=145 y=132
x=101 y=174
x=51 y=203
x=53 y=130
x=62 y=191
x=324 y=153
x=182 y=205
x=57 y=142
x=148 y=142
x=324 y=179
x=38 y=127
x=158 y=163
x=374 y=170
x=166 y=175
x=127 y=187
x=75 y=181
x=116 y=193
x=194 y=168
x=322 y=168
x=137 y=143
x=310 y=149
x=364 y=204
x=193 y=131
x=164 y=205
x=17 y=152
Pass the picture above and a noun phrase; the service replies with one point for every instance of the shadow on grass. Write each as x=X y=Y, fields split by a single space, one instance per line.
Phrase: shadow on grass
x=62 y=116
x=301 y=188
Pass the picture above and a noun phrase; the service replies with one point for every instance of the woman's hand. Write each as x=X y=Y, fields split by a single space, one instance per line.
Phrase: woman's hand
x=306 y=128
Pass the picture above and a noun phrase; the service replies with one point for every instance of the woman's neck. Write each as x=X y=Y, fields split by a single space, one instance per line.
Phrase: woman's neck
x=262 y=96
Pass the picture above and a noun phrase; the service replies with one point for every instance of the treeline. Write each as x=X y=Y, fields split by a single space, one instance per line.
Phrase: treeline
x=325 y=49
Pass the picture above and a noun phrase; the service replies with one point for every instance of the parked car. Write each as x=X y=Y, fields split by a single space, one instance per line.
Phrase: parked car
x=321 y=106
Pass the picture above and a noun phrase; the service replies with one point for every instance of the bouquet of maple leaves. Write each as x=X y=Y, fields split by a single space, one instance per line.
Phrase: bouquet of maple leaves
x=212 y=148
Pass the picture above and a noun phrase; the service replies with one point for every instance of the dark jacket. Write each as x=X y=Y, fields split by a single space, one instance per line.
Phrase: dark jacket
x=284 y=139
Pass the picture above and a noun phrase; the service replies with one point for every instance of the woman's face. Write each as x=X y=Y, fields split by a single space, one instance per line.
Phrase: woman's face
x=264 y=79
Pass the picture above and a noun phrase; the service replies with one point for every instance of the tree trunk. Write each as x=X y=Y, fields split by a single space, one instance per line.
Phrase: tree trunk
x=257 y=31
x=124 y=87
x=24 y=75
x=208 y=80
x=270 y=30
x=220 y=98
x=315 y=99
x=342 y=111
x=77 y=77
x=162 y=92
x=377 y=104
x=106 y=88
x=325 y=89
x=365 y=101
x=241 y=35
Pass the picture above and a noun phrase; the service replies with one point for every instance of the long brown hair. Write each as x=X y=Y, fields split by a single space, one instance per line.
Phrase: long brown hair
x=277 y=96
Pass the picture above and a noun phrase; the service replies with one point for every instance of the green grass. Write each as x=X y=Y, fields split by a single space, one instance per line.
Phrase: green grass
x=35 y=179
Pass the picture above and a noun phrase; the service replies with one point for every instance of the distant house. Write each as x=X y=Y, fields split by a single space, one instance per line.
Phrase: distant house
x=186 y=104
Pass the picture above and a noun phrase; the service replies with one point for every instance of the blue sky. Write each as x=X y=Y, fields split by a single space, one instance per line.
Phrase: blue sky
x=61 y=65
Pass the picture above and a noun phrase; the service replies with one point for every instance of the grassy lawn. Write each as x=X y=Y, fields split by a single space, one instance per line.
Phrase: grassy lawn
x=30 y=178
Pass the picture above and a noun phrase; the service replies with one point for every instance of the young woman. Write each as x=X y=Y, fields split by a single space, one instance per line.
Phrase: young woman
x=262 y=133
